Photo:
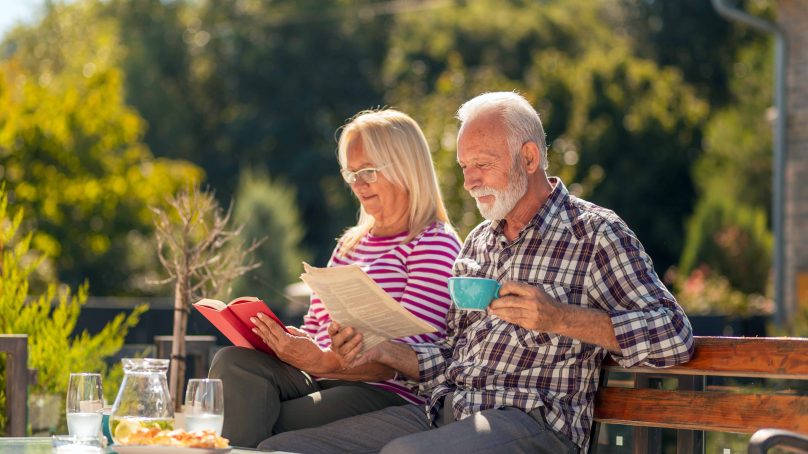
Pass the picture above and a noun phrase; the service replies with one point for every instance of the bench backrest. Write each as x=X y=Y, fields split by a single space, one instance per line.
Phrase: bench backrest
x=697 y=408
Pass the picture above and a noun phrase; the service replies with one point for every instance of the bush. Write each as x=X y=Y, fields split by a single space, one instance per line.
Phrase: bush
x=732 y=239
x=50 y=318
x=704 y=292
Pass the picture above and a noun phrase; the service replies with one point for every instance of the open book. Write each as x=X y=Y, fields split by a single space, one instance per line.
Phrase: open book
x=354 y=299
x=233 y=320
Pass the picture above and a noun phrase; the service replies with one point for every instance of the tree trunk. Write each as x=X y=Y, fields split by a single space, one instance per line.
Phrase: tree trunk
x=177 y=374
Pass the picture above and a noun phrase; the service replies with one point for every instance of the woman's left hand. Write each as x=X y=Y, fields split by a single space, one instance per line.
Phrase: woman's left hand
x=295 y=347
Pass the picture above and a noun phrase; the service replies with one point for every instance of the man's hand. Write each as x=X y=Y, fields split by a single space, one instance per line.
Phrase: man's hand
x=346 y=342
x=532 y=308
x=527 y=306
x=295 y=347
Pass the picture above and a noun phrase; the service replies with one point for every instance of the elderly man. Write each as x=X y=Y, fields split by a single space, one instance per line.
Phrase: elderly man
x=577 y=285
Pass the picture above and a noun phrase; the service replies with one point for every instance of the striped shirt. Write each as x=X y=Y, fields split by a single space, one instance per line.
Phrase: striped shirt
x=414 y=273
x=580 y=254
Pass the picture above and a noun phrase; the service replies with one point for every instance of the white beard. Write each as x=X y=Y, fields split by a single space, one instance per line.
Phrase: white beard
x=504 y=199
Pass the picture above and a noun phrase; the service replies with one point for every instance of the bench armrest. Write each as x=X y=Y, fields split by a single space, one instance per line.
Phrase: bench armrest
x=764 y=439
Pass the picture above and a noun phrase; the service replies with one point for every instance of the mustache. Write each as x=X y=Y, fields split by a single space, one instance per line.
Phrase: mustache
x=482 y=191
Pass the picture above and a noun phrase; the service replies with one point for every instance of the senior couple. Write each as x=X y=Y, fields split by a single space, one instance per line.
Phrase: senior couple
x=577 y=286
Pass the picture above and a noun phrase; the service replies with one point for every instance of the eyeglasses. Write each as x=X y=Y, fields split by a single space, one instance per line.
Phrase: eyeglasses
x=367 y=175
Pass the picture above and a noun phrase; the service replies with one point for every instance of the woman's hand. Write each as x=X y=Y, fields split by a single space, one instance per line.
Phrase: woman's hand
x=295 y=347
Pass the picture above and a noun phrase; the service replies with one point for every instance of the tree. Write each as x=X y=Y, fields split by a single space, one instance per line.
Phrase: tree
x=690 y=35
x=193 y=244
x=71 y=150
x=49 y=318
x=729 y=230
x=623 y=131
x=262 y=85
x=267 y=208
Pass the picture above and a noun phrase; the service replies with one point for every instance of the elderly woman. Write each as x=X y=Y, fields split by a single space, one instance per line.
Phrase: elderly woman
x=403 y=240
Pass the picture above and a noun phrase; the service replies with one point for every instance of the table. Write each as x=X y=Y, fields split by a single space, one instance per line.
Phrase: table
x=42 y=445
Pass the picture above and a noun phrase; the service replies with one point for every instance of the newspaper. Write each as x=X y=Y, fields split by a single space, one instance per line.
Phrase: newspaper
x=354 y=299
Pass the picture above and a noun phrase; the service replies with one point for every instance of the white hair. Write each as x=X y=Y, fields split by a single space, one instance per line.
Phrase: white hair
x=520 y=118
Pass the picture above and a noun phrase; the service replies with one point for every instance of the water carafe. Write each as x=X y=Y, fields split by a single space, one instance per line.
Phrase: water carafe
x=143 y=399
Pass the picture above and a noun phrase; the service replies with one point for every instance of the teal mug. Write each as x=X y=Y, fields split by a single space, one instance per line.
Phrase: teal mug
x=473 y=293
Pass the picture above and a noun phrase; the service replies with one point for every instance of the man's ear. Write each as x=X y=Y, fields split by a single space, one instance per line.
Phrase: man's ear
x=531 y=156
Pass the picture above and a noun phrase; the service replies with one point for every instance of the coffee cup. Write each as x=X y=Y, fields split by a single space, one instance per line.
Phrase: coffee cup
x=473 y=293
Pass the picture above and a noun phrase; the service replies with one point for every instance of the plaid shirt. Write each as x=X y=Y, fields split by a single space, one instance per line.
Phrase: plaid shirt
x=580 y=254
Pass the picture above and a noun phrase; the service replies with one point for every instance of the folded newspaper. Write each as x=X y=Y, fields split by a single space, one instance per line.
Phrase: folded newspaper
x=354 y=299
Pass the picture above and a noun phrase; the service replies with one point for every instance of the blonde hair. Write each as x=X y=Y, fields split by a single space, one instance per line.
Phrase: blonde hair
x=391 y=138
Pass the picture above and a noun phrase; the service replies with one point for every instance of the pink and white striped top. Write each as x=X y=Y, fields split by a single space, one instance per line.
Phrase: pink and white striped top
x=414 y=273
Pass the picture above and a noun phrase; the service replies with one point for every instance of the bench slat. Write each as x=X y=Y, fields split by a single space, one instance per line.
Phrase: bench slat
x=784 y=358
x=694 y=410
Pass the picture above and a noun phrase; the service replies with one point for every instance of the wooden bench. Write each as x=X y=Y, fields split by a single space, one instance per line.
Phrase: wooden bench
x=695 y=406
x=16 y=348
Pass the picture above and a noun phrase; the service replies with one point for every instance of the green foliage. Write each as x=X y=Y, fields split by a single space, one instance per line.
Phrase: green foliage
x=71 y=150
x=50 y=318
x=267 y=208
x=691 y=36
x=737 y=159
x=732 y=239
x=729 y=230
x=704 y=292
x=605 y=111
x=261 y=85
x=620 y=84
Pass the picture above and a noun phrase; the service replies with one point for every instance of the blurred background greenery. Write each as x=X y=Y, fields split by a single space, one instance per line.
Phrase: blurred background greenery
x=654 y=109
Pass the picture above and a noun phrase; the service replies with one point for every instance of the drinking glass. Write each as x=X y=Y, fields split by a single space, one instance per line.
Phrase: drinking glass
x=71 y=444
x=84 y=404
x=204 y=405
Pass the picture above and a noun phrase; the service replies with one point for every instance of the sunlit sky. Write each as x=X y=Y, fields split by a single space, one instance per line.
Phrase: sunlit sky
x=15 y=11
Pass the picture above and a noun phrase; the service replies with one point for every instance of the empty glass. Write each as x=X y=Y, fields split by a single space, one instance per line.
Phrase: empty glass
x=204 y=405
x=84 y=404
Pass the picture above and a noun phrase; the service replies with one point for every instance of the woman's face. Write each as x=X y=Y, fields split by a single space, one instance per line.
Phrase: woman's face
x=386 y=202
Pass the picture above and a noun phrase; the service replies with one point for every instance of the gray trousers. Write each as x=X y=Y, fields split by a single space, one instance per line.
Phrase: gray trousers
x=264 y=396
x=405 y=429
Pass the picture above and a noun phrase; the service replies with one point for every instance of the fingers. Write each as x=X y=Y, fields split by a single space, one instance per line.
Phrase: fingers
x=353 y=357
x=297 y=332
x=333 y=328
x=340 y=335
x=509 y=301
x=516 y=288
x=268 y=330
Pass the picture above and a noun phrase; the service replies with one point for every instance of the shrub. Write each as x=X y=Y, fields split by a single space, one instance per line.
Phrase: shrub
x=732 y=239
x=50 y=318
x=705 y=292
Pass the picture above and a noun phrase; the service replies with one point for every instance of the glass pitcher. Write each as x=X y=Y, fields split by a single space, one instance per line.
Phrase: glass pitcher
x=143 y=399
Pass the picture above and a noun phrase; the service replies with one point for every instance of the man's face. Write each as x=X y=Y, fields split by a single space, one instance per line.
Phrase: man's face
x=490 y=174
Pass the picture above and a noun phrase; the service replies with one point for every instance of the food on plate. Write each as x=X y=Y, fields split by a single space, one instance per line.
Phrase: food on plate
x=122 y=427
x=155 y=437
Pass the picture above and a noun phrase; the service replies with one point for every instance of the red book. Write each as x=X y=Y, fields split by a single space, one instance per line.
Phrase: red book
x=233 y=320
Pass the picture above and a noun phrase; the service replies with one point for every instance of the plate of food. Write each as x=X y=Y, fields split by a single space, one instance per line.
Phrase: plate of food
x=140 y=449
x=156 y=441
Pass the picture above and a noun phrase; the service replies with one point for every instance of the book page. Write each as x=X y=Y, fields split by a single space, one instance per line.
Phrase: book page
x=354 y=299
x=212 y=303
